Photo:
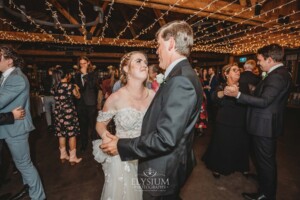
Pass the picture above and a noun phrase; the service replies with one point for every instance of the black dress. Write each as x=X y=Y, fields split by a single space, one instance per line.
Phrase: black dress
x=228 y=150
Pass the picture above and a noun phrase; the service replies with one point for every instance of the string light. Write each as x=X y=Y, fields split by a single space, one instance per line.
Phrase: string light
x=58 y=24
x=33 y=37
x=235 y=25
x=196 y=13
x=143 y=31
x=243 y=43
x=83 y=18
x=130 y=22
x=106 y=22
x=11 y=2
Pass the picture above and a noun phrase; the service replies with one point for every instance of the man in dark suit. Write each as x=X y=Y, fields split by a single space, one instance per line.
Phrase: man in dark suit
x=248 y=80
x=87 y=104
x=14 y=92
x=164 y=148
x=265 y=117
x=209 y=89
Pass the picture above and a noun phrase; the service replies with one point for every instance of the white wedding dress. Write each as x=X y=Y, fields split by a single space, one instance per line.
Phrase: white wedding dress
x=120 y=177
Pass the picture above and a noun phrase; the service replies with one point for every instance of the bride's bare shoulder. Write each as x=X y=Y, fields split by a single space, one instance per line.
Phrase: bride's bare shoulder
x=116 y=98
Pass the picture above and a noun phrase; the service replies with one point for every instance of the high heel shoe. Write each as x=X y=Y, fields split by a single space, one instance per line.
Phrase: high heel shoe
x=216 y=175
x=63 y=155
x=73 y=158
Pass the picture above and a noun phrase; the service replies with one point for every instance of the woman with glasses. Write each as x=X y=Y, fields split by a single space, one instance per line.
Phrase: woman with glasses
x=228 y=149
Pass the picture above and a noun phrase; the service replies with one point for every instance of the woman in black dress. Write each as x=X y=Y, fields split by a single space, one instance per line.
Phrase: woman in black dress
x=66 y=120
x=228 y=150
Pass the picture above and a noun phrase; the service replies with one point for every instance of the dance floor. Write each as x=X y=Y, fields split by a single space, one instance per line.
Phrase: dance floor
x=85 y=180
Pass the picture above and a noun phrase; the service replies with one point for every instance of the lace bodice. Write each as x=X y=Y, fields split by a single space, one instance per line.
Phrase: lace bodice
x=128 y=121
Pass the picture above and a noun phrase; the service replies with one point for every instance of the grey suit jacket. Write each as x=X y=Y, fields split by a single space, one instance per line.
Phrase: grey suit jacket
x=266 y=106
x=164 y=148
x=13 y=93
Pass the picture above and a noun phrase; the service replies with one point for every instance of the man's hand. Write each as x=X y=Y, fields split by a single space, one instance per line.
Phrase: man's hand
x=232 y=91
x=18 y=113
x=111 y=147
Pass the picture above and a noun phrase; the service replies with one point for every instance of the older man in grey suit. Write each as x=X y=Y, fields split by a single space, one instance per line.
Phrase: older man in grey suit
x=14 y=92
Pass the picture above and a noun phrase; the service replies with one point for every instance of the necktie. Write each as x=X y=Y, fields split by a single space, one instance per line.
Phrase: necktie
x=84 y=79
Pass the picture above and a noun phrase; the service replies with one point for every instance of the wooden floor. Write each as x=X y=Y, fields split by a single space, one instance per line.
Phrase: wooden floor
x=85 y=180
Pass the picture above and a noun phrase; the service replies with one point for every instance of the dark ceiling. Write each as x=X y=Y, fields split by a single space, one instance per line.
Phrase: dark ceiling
x=59 y=30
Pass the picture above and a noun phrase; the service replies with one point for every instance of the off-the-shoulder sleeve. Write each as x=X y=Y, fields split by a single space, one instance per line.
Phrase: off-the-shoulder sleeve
x=105 y=116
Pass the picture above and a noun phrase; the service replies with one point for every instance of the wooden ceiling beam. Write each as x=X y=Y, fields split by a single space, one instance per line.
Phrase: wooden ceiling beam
x=131 y=29
x=65 y=13
x=36 y=53
x=188 y=7
x=158 y=14
x=243 y=3
x=70 y=60
x=21 y=36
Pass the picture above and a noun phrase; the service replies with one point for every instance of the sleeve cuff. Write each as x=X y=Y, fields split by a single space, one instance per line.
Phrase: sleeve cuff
x=238 y=96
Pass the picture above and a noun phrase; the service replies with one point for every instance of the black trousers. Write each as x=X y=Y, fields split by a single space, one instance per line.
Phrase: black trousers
x=147 y=196
x=265 y=153
x=87 y=121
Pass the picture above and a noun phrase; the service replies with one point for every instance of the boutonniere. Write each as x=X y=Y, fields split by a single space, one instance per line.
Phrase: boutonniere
x=160 y=78
x=264 y=75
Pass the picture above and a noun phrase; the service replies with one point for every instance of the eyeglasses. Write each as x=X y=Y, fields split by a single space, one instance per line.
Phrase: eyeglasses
x=235 y=69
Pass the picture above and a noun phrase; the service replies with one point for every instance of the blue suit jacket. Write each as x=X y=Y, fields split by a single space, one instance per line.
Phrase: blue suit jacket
x=13 y=93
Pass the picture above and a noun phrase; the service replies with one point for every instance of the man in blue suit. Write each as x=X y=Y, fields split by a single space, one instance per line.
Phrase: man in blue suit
x=14 y=92
x=265 y=117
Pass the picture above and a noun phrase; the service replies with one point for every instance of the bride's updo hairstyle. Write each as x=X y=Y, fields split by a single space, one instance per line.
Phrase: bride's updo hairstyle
x=126 y=61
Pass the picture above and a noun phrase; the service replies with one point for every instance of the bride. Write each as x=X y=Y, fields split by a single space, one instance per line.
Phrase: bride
x=126 y=107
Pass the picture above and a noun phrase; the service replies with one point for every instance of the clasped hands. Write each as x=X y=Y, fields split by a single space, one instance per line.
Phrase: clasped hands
x=231 y=91
x=109 y=144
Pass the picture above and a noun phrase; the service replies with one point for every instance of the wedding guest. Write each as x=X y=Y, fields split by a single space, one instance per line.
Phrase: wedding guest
x=48 y=98
x=66 y=120
x=248 y=79
x=14 y=91
x=265 y=116
x=152 y=82
x=86 y=106
x=228 y=149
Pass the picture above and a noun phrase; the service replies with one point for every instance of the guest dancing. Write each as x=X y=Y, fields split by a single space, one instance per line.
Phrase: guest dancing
x=228 y=150
x=66 y=120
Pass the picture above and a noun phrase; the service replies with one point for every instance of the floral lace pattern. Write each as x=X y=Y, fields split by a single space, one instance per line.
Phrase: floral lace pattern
x=128 y=121
x=120 y=177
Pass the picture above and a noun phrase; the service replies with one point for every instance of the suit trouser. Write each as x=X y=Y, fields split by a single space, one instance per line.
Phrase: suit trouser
x=19 y=149
x=49 y=108
x=147 y=196
x=87 y=120
x=265 y=153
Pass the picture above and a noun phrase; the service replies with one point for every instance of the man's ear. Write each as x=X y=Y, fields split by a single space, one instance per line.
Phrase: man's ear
x=171 y=43
x=10 y=61
x=270 y=60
